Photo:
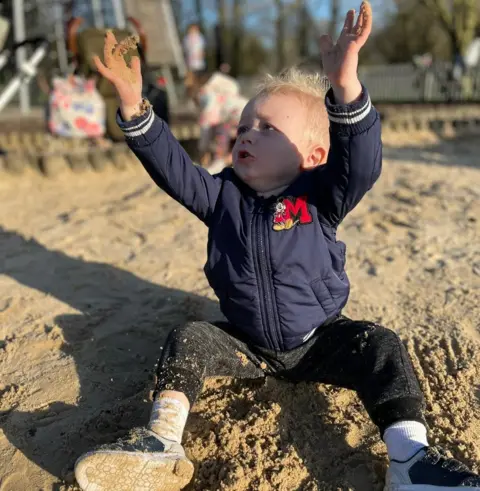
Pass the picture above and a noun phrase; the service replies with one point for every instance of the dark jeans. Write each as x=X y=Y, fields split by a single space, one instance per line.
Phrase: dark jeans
x=357 y=355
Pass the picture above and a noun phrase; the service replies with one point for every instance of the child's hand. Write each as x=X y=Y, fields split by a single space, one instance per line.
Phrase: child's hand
x=126 y=79
x=340 y=60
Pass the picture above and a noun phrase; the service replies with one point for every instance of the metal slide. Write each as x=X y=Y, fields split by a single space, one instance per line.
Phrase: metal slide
x=27 y=68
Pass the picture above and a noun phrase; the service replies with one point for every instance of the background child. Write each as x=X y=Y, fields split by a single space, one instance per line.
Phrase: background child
x=221 y=105
x=194 y=48
x=278 y=270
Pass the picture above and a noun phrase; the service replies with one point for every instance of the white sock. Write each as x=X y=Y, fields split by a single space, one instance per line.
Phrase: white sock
x=168 y=418
x=404 y=439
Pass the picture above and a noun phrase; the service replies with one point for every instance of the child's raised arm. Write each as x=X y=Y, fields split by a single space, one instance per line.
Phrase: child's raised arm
x=355 y=156
x=150 y=138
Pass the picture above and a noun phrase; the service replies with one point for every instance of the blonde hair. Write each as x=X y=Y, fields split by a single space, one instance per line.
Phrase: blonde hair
x=311 y=89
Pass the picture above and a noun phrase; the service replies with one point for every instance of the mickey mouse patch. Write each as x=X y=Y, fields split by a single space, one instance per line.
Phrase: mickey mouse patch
x=290 y=211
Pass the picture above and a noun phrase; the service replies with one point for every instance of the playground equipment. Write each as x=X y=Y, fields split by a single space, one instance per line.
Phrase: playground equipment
x=70 y=32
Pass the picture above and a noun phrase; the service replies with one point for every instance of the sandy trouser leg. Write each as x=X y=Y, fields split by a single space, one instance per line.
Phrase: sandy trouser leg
x=370 y=359
x=144 y=461
x=199 y=350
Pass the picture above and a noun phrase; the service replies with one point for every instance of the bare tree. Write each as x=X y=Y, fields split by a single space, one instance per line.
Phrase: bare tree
x=220 y=33
x=334 y=17
x=280 y=34
x=221 y=12
x=458 y=18
x=237 y=31
x=303 y=28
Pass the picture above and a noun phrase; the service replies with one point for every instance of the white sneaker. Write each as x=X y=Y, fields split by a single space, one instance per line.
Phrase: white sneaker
x=140 y=462
x=430 y=470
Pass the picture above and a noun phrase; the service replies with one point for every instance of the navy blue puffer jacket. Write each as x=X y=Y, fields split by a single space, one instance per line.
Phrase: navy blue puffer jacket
x=275 y=263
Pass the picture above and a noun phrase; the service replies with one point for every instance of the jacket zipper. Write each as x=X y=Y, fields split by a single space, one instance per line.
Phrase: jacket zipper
x=264 y=281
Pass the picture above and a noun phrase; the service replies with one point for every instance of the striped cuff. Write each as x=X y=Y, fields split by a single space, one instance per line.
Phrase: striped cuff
x=142 y=130
x=350 y=119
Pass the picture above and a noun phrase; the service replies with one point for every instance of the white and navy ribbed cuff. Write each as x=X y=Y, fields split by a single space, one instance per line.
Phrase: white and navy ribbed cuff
x=145 y=128
x=353 y=118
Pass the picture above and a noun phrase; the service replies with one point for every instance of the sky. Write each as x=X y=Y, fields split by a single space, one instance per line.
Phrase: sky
x=320 y=9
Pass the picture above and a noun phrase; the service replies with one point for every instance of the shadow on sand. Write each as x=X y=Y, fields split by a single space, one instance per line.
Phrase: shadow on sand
x=115 y=343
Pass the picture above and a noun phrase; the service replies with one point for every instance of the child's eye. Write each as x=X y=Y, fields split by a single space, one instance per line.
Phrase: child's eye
x=242 y=129
x=268 y=127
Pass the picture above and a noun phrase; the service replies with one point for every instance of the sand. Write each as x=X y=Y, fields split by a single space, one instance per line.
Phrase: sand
x=97 y=268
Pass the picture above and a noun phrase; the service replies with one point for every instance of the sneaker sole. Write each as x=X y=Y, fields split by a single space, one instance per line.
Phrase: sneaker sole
x=132 y=471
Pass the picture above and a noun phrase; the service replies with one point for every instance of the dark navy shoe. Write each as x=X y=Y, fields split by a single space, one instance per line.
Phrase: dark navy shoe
x=430 y=470
x=142 y=461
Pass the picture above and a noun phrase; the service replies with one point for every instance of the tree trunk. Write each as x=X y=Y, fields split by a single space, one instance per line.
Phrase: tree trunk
x=465 y=17
x=237 y=31
x=334 y=18
x=280 y=34
x=220 y=34
x=459 y=21
x=302 y=29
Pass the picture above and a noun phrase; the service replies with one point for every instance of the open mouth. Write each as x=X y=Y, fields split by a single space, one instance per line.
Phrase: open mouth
x=244 y=154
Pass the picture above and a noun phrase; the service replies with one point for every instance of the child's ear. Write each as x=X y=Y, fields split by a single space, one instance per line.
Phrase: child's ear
x=316 y=157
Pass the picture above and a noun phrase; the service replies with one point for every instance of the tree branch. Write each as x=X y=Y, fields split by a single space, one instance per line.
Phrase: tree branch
x=440 y=10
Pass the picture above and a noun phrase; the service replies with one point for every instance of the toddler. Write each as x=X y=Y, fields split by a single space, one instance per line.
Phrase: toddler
x=303 y=159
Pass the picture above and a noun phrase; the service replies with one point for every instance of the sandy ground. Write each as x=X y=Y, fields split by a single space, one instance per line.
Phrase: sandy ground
x=97 y=268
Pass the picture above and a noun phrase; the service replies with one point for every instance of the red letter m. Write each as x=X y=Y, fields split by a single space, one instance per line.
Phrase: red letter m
x=297 y=209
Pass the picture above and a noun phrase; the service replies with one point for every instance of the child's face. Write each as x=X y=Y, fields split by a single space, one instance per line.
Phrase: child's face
x=272 y=147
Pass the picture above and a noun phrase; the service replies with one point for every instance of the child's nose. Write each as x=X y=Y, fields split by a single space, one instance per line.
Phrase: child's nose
x=247 y=137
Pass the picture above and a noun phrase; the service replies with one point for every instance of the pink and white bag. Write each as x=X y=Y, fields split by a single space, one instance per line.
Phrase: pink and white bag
x=76 y=108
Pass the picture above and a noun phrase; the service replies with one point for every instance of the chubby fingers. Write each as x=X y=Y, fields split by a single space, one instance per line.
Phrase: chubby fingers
x=109 y=48
x=135 y=66
x=325 y=43
x=124 y=46
x=348 y=24
x=363 y=26
x=102 y=69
